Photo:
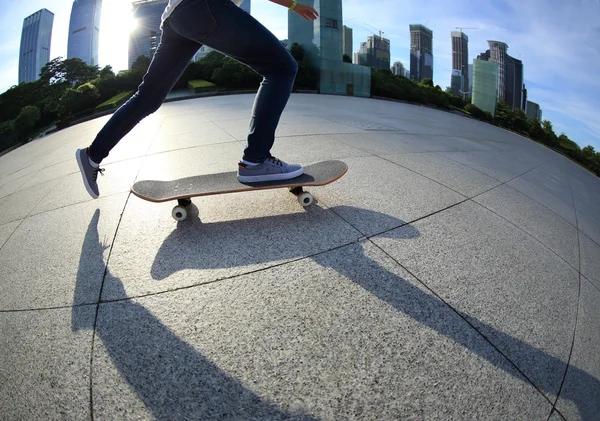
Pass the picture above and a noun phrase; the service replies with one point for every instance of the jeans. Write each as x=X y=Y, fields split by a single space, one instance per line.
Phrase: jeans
x=221 y=25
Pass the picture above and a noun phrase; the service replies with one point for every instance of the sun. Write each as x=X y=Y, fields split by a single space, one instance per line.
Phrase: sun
x=116 y=23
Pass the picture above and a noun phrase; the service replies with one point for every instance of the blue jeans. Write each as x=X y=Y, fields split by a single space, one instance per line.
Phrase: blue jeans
x=221 y=25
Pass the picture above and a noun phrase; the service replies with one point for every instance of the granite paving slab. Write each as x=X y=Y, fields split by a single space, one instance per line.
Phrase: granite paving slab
x=205 y=134
x=6 y=230
x=382 y=143
x=52 y=172
x=590 y=259
x=395 y=194
x=589 y=223
x=449 y=173
x=448 y=143
x=552 y=178
x=70 y=190
x=579 y=396
x=45 y=369
x=205 y=159
x=21 y=203
x=345 y=335
x=515 y=291
x=225 y=235
x=563 y=208
x=501 y=165
x=41 y=257
x=535 y=219
x=136 y=143
x=314 y=148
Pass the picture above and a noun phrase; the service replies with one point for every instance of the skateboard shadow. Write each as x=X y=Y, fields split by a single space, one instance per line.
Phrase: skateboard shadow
x=172 y=379
x=527 y=363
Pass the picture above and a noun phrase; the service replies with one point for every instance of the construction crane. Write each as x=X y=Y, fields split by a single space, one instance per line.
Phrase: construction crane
x=461 y=29
x=380 y=31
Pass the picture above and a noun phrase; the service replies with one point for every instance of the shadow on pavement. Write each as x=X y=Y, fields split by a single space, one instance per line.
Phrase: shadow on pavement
x=170 y=377
x=175 y=381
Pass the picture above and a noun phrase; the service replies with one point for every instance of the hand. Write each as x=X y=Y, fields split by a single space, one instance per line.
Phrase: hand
x=305 y=11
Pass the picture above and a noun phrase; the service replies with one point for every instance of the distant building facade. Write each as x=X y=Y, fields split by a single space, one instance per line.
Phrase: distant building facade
x=144 y=39
x=347 y=41
x=322 y=40
x=84 y=31
x=534 y=111
x=485 y=85
x=35 y=44
x=375 y=53
x=460 y=61
x=398 y=69
x=421 y=52
x=510 y=74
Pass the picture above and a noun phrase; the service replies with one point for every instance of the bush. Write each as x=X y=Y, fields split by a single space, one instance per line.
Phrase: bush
x=26 y=120
x=73 y=101
x=114 y=102
x=200 y=85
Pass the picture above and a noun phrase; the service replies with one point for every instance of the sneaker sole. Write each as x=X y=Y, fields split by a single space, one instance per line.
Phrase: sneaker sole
x=82 y=170
x=270 y=177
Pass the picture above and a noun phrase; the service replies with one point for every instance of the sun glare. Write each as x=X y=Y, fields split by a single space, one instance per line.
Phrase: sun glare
x=115 y=26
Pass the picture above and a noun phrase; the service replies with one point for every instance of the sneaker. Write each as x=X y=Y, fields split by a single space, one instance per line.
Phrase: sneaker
x=270 y=170
x=88 y=172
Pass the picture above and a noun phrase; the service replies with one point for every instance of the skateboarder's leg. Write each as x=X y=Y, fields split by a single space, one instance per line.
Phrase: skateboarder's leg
x=172 y=56
x=240 y=36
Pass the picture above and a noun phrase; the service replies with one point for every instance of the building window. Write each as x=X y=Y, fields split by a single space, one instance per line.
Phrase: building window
x=331 y=23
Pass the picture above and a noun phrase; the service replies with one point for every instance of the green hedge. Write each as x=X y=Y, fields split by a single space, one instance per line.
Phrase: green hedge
x=200 y=85
x=114 y=102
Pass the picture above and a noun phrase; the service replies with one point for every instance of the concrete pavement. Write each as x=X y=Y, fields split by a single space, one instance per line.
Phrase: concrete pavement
x=451 y=274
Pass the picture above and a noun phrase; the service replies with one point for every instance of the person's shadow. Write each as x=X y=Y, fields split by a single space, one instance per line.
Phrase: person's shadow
x=146 y=352
x=171 y=378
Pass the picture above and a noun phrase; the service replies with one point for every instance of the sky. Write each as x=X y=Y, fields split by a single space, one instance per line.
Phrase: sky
x=558 y=42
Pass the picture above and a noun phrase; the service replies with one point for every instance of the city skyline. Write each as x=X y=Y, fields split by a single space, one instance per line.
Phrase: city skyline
x=557 y=43
x=84 y=30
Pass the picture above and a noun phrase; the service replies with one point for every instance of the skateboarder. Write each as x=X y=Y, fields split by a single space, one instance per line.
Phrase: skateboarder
x=220 y=24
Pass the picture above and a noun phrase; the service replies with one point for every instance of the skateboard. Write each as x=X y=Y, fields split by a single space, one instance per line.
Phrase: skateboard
x=184 y=189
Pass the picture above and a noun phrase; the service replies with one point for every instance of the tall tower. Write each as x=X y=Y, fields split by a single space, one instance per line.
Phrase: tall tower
x=421 y=52
x=460 y=59
x=347 y=41
x=35 y=44
x=84 y=31
x=322 y=40
x=375 y=53
x=144 y=39
x=499 y=55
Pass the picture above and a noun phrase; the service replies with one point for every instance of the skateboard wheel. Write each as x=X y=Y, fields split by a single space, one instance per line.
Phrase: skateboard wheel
x=305 y=199
x=179 y=213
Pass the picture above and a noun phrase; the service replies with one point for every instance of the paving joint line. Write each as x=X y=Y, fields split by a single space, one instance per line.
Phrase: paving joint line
x=465 y=320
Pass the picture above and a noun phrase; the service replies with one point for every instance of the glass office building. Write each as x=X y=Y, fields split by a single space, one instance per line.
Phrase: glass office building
x=322 y=41
x=84 y=31
x=144 y=39
x=421 y=52
x=35 y=45
x=245 y=6
x=485 y=85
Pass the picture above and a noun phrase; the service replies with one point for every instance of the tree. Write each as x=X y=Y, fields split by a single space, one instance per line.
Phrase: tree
x=73 y=101
x=106 y=72
x=550 y=137
x=297 y=51
x=26 y=120
x=73 y=71
x=427 y=82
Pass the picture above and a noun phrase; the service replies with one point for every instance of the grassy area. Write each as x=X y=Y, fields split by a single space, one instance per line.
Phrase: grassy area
x=114 y=102
x=200 y=85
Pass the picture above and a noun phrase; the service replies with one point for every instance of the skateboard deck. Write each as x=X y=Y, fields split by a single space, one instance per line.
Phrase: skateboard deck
x=183 y=189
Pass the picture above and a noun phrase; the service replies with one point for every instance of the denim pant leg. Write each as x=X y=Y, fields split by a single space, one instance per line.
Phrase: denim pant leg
x=241 y=37
x=172 y=56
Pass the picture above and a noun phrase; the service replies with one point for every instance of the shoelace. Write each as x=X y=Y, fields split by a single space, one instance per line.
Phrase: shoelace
x=276 y=161
x=95 y=173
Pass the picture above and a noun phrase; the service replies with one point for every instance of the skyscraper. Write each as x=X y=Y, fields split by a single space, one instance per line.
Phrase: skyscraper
x=398 y=69
x=35 y=44
x=460 y=60
x=347 y=41
x=421 y=52
x=322 y=41
x=499 y=55
x=84 y=31
x=144 y=39
x=375 y=53
x=485 y=85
